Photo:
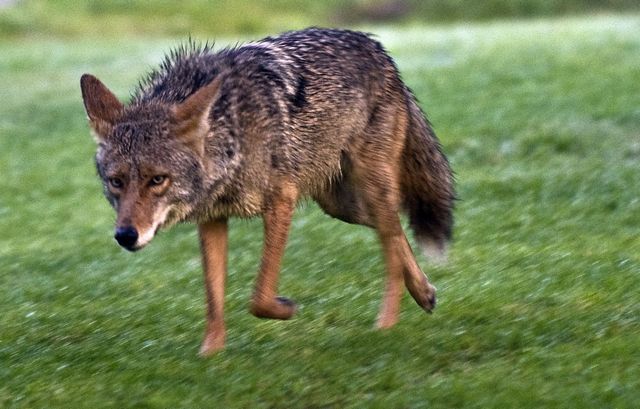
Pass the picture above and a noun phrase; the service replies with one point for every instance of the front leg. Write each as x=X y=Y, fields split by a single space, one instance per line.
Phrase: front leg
x=277 y=219
x=213 y=245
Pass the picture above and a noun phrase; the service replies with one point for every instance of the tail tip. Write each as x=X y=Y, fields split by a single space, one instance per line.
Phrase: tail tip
x=434 y=250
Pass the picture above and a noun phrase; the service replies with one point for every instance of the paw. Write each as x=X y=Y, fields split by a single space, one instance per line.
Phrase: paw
x=279 y=308
x=211 y=344
x=425 y=295
x=421 y=290
x=428 y=298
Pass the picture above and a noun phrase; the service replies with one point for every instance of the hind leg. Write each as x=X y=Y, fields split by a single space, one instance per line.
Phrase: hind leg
x=366 y=200
x=402 y=267
x=374 y=203
x=380 y=195
x=416 y=281
x=376 y=169
x=393 y=289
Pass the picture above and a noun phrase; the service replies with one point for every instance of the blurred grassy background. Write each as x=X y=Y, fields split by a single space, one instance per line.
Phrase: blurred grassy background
x=538 y=306
x=200 y=17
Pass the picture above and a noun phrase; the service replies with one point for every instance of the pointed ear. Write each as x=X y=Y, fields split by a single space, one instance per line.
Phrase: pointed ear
x=192 y=116
x=102 y=106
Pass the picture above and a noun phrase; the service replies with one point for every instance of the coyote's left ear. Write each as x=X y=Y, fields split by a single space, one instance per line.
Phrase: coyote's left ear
x=102 y=106
x=192 y=116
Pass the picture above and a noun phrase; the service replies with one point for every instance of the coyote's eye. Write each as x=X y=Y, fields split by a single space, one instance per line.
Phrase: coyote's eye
x=157 y=180
x=116 y=183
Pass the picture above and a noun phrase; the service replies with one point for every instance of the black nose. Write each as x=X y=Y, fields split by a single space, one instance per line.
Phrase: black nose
x=126 y=237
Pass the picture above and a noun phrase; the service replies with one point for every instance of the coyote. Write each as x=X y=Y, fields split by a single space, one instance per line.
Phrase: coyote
x=251 y=130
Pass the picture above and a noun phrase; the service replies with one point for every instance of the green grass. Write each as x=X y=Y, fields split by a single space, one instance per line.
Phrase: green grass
x=538 y=305
x=90 y=18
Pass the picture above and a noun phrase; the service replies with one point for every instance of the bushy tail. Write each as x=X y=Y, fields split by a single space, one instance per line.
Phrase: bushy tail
x=427 y=184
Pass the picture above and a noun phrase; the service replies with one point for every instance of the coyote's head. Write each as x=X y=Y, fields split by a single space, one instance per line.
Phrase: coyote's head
x=150 y=157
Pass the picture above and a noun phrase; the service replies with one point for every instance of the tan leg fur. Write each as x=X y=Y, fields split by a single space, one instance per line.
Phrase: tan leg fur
x=213 y=244
x=277 y=218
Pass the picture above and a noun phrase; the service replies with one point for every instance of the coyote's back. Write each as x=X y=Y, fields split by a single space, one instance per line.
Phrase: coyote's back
x=250 y=130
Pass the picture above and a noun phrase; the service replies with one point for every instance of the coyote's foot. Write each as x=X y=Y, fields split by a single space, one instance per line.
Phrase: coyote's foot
x=279 y=308
x=426 y=297
x=211 y=344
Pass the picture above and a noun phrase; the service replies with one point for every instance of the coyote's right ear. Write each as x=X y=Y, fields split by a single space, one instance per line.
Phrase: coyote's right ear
x=102 y=106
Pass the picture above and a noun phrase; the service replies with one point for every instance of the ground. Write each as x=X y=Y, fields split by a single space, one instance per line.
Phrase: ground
x=537 y=305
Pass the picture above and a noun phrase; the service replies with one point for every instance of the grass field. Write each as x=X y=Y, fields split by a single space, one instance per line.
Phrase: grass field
x=70 y=18
x=538 y=305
